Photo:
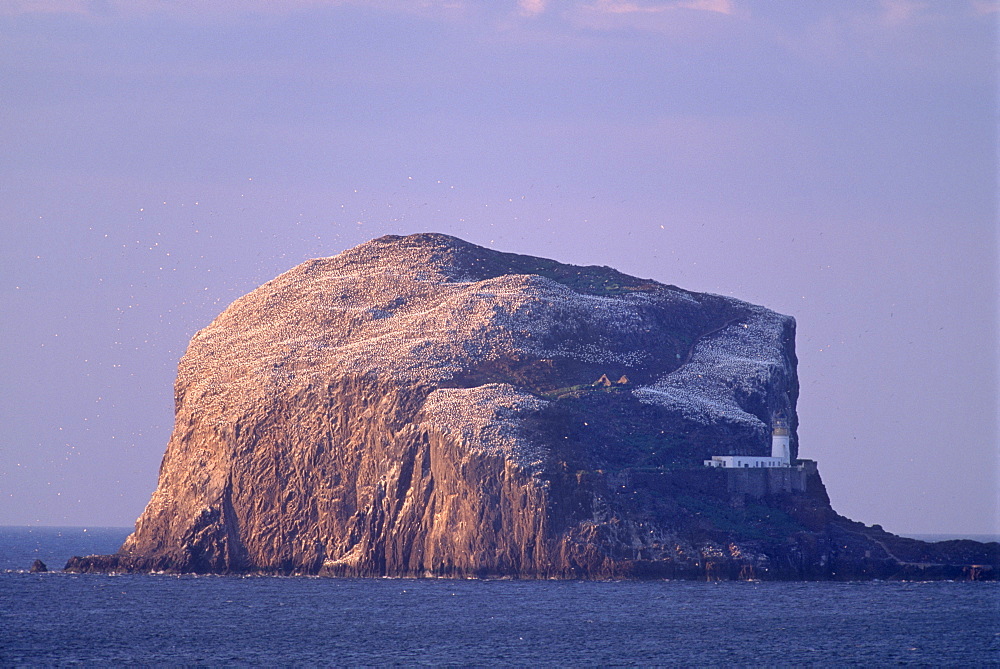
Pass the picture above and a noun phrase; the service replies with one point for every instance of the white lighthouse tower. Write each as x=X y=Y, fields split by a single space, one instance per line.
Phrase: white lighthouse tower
x=780 y=441
x=781 y=451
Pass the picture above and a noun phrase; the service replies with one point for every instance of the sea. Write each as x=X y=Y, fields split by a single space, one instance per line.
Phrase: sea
x=57 y=618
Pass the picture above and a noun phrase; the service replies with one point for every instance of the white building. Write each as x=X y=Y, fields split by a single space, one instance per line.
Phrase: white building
x=738 y=461
x=781 y=454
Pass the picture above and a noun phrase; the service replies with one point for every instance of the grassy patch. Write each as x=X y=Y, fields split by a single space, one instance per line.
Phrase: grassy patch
x=589 y=280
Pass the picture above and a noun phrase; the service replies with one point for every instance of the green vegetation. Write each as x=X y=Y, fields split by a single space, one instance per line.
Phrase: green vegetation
x=591 y=280
x=580 y=390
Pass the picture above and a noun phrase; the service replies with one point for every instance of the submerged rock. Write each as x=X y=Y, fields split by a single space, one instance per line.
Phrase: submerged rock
x=424 y=406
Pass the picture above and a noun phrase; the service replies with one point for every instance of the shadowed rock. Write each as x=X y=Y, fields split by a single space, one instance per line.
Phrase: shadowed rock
x=424 y=406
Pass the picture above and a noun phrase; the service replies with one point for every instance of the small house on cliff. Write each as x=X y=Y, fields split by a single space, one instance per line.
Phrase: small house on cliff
x=606 y=382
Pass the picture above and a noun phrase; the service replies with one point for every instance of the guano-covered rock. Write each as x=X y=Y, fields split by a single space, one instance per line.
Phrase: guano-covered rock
x=421 y=406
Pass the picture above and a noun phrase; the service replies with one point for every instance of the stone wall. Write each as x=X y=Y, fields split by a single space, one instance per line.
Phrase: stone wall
x=759 y=482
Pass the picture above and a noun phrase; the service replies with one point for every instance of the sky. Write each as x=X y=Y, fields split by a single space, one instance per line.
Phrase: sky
x=836 y=162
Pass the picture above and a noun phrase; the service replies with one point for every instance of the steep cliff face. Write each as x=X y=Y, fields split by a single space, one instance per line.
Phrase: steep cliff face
x=423 y=406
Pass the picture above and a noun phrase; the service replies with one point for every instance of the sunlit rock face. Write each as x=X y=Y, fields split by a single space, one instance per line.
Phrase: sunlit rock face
x=421 y=406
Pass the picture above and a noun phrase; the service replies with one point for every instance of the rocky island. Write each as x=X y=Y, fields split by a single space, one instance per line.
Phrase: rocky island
x=422 y=406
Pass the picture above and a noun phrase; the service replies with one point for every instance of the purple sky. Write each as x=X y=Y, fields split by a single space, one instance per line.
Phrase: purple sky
x=835 y=161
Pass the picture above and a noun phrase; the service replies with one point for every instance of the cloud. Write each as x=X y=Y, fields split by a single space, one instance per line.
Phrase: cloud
x=222 y=8
x=531 y=7
x=682 y=19
x=141 y=7
x=626 y=7
x=981 y=7
x=719 y=6
x=898 y=12
x=199 y=8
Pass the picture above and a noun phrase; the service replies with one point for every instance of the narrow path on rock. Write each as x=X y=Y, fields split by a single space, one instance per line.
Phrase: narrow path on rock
x=891 y=554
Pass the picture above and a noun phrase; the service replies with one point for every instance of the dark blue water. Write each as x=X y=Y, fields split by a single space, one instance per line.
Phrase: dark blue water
x=20 y=546
x=60 y=618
